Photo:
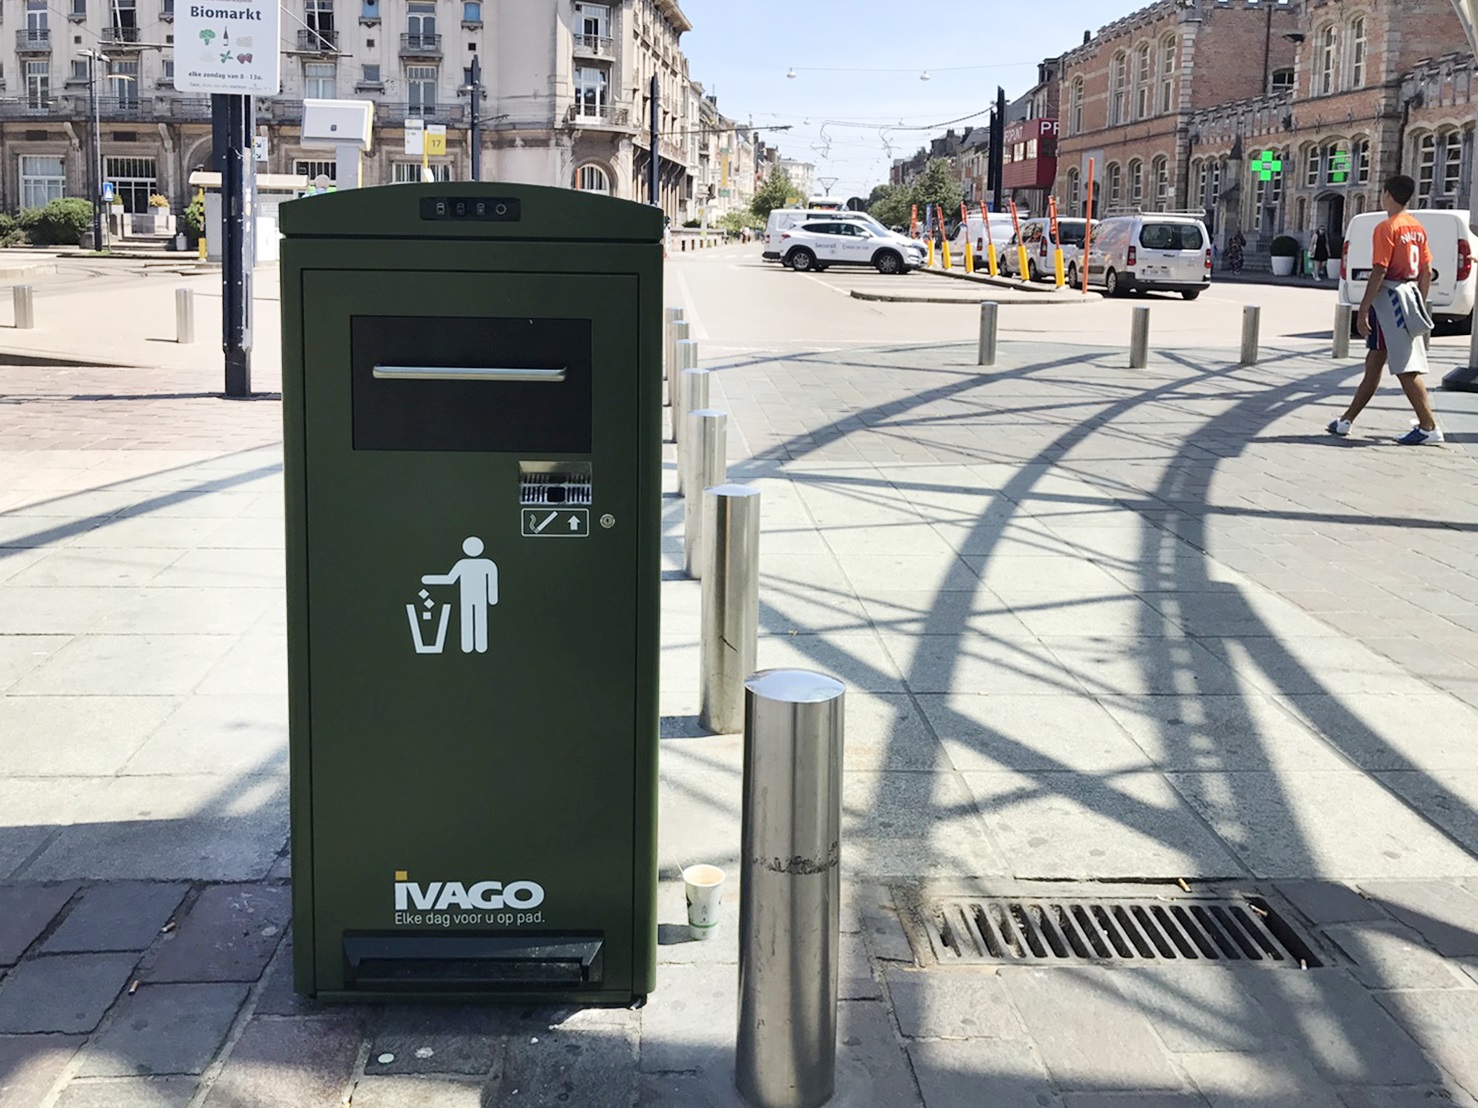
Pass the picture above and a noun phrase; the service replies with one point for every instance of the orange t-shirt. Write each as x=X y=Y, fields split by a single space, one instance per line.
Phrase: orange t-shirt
x=1401 y=246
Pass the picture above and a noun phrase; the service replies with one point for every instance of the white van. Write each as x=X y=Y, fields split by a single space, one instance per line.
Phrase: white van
x=1001 y=231
x=1151 y=252
x=1454 y=276
x=1037 y=235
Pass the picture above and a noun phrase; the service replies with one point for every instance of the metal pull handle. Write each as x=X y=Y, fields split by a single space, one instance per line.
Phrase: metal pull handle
x=465 y=373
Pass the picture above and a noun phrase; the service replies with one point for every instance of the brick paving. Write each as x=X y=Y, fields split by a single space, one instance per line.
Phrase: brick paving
x=1098 y=626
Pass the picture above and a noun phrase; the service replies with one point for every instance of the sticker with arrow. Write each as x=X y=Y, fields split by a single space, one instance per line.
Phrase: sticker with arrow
x=556 y=523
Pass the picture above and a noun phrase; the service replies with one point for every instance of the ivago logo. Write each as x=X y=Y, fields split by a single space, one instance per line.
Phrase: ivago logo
x=486 y=895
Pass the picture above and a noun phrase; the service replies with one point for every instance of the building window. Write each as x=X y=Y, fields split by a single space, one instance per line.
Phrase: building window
x=1216 y=167
x=1136 y=183
x=1115 y=185
x=1337 y=167
x=592 y=178
x=124 y=88
x=79 y=69
x=1451 y=146
x=472 y=11
x=592 y=21
x=1200 y=173
x=1357 y=51
x=77 y=10
x=38 y=84
x=1074 y=196
x=420 y=24
x=43 y=179
x=168 y=64
x=1075 y=107
x=318 y=80
x=590 y=92
x=420 y=84
x=320 y=18
x=1426 y=169
x=1328 y=47
x=313 y=169
x=370 y=74
x=1270 y=195
x=1311 y=168
x=134 y=180
x=1118 y=88
x=166 y=9
x=1280 y=81
x=1360 y=155
x=409 y=173
x=1167 y=73
x=369 y=11
x=1142 y=81
x=1160 y=174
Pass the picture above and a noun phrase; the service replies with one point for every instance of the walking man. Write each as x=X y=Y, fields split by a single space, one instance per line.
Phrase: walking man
x=1393 y=317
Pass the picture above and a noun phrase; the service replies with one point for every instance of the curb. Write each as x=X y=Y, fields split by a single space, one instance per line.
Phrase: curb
x=904 y=298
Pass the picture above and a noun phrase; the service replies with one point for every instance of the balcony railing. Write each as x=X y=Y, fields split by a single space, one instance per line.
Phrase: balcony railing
x=608 y=117
x=595 y=46
x=33 y=40
x=391 y=114
x=121 y=36
x=24 y=109
x=420 y=46
x=318 y=42
x=124 y=107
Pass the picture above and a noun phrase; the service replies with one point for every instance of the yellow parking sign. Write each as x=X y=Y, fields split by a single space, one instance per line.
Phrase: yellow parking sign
x=435 y=139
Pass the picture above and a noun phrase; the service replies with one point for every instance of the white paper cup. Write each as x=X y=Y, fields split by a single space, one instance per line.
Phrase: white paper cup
x=704 y=887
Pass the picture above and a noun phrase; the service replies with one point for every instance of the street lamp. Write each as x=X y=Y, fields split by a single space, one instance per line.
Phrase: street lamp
x=95 y=173
x=1466 y=377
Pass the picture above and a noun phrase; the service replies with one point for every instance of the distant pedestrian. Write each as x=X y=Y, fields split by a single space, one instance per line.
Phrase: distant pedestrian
x=1321 y=255
x=1235 y=245
x=1393 y=317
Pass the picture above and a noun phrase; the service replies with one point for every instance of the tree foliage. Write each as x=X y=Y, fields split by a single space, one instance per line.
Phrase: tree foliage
x=937 y=185
x=773 y=194
x=890 y=205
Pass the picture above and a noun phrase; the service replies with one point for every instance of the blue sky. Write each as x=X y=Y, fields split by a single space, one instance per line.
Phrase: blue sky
x=742 y=49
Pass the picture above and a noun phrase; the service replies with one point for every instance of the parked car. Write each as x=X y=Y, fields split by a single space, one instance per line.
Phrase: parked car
x=784 y=219
x=1037 y=235
x=1151 y=252
x=824 y=242
x=1454 y=277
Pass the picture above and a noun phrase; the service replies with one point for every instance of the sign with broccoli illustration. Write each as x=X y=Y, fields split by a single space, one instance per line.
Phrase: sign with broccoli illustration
x=231 y=48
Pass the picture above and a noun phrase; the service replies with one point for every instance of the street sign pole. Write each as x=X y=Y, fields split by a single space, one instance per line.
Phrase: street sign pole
x=654 y=168
x=238 y=172
x=475 y=137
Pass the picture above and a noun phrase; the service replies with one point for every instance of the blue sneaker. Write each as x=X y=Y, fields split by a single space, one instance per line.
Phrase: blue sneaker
x=1340 y=427
x=1417 y=437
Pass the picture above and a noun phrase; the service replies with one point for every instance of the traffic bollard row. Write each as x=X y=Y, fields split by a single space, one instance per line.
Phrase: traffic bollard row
x=670 y=315
x=676 y=329
x=1139 y=339
x=692 y=394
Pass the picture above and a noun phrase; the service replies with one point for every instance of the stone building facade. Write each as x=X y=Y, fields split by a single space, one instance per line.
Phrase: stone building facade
x=565 y=94
x=1129 y=93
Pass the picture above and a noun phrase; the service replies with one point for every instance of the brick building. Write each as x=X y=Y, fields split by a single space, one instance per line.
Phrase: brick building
x=1272 y=116
x=1129 y=94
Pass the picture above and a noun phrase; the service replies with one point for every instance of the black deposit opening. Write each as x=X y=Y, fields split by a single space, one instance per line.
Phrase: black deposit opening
x=469 y=414
x=417 y=962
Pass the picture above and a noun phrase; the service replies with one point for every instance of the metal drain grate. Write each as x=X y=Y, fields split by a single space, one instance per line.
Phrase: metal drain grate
x=1143 y=930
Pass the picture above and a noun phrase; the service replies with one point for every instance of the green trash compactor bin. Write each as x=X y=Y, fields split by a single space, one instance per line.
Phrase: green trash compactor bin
x=472 y=392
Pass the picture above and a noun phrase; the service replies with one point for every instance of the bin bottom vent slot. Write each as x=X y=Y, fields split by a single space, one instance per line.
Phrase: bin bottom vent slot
x=472 y=962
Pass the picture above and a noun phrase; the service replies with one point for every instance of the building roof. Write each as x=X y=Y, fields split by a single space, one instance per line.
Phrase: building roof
x=674 y=15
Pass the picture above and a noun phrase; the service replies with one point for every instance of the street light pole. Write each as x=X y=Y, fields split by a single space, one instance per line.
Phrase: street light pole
x=474 y=136
x=1466 y=377
x=95 y=153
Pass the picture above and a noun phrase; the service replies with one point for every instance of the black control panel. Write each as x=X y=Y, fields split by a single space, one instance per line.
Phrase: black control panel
x=486 y=209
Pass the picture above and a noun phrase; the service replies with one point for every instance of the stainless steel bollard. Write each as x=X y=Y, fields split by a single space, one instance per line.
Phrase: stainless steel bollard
x=731 y=603
x=1251 y=323
x=1139 y=339
x=670 y=315
x=789 y=889
x=707 y=467
x=184 y=315
x=990 y=312
x=1344 y=316
x=25 y=309
x=692 y=394
x=677 y=331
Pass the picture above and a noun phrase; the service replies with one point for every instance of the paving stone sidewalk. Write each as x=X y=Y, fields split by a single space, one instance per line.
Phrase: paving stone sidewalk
x=1107 y=633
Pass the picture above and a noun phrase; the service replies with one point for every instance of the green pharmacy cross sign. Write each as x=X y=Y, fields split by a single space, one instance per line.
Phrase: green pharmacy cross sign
x=1339 y=168
x=1266 y=164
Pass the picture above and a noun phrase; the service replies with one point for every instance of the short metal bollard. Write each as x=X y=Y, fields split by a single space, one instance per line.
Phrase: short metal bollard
x=670 y=315
x=1139 y=339
x=731 y=600
x=1344 y=316
x=692 y=394
x=990 y=313
x=1251 y=324
x=25 y=309
x=789 y=889
x=677 y=331
x=707 y=466
x=184 y=315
